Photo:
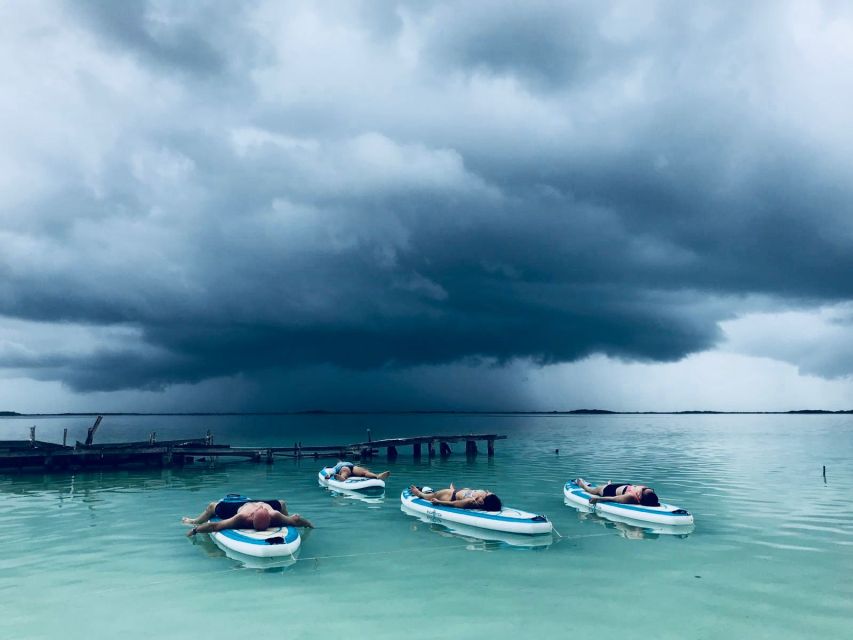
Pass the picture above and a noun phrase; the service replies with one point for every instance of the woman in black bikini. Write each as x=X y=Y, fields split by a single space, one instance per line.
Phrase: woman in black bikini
x=622 y=493
x=461 y=498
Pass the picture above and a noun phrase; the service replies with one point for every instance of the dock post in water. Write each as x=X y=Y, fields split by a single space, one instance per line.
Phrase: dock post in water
x=33 y=436
x=431 y=448
x=444 y=449
x=64 y=436
x=392 y=453
x=90 y=434
x=490 y=443
x=416 y=450
x=269 y=456
x=470 y=447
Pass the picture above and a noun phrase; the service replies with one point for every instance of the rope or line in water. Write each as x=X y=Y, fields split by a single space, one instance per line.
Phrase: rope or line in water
x=188 y=576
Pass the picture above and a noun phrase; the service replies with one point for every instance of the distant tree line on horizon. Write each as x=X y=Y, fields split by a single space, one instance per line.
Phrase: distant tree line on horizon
x=418 y=412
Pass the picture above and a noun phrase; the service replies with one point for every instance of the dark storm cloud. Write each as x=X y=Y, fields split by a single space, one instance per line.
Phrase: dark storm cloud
x=161 y=37
x=386 y=188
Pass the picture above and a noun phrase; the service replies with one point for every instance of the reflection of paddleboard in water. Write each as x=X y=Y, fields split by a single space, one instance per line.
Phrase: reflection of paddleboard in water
x=665 y=514
x=326 y=478
x=508 y=520
x=271 y=543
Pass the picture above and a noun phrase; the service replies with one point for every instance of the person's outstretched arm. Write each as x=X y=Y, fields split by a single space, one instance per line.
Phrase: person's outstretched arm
x=623 y=499
x=208 y=527
x=462 y=503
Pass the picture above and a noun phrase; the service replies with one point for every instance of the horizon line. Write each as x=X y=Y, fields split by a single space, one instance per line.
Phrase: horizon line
x=14 y=414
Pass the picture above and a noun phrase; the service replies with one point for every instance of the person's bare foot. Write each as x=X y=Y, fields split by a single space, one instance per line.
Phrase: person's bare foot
x=384 y=475
x=188 y=521
x=415 y=491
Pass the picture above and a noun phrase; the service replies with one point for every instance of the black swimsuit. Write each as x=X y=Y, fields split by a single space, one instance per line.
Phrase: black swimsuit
x=610 y=490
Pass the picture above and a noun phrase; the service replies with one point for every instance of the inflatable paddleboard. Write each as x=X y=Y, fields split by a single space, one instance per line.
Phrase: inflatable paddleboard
x=326 y=478
x=271 y=543
x=508 y=520
x=666 y=514
x=480 y=538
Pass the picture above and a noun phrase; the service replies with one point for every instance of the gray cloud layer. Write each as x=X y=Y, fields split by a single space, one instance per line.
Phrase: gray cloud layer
x=374 y=187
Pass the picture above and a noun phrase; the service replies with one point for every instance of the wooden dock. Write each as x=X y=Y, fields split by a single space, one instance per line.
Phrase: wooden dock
x=38 y=455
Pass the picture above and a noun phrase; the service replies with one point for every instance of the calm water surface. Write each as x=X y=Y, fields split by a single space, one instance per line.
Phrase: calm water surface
x=102 y=554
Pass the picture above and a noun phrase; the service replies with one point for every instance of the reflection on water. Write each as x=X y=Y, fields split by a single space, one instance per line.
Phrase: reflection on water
x=630 y=529
x=769 y=533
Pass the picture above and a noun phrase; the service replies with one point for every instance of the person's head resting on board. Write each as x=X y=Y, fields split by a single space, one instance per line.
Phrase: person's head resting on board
x=492 y=503
x=649 y=498
x=261 y=520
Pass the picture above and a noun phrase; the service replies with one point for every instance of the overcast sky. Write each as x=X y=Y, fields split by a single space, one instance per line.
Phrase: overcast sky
x=478 y=205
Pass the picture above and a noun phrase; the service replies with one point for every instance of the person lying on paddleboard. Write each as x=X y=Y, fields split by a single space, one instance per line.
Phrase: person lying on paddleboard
x=250 y=515
x=461 y=498
x=344 y=470
x=621 y=493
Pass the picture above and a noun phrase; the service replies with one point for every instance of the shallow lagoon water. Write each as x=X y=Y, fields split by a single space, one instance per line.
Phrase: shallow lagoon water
x=100 y=554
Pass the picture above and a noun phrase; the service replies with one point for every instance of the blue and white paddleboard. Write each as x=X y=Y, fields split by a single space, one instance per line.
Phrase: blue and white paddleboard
x=326 y=478
x=271 y=543
x=666 y=514
x=507 y=519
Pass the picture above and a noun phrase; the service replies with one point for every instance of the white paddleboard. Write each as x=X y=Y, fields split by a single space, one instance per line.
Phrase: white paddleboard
x=270 y=543
x=327 y=479
x=274 y=542
x=507 y=519
x=666 y=514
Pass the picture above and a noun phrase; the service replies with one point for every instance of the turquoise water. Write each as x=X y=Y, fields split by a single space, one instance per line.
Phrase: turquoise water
x=101 y=554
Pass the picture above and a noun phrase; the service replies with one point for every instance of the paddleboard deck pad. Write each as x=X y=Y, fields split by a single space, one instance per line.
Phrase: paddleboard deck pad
x=271 y=543
x=667 y=514
x=507 y=519
x=326 y=478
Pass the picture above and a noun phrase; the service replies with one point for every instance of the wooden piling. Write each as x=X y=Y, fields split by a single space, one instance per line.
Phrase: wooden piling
x=444 y=449
x=392 y=453
x=490 y=444
x=416 y=450
x=470 y=447
x=90 y=434
x=64 y=436
x=32 y=436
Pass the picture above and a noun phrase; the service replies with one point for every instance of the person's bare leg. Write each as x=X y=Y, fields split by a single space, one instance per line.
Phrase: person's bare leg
x=596 y=491
x=203 y=517
x=362 y=472
x=441 y=494
x=283 y=506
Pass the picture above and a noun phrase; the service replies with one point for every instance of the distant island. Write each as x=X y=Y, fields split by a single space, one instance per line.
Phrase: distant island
x=422 y=412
